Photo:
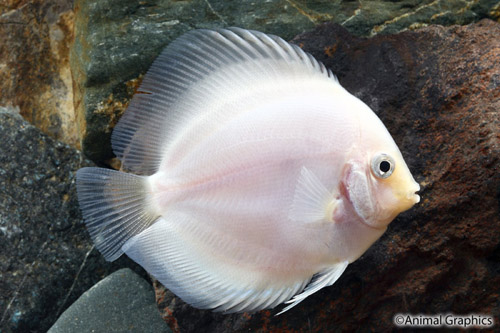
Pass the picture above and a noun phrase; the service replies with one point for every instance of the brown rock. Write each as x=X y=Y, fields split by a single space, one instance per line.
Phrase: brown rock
x=438 y=91
x=34 y=64
x=8 y=5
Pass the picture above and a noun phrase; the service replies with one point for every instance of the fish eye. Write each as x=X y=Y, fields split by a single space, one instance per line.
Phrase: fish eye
x=383 y=165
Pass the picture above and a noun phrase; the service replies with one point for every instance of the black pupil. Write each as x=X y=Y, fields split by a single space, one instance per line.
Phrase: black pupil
x=385 y=166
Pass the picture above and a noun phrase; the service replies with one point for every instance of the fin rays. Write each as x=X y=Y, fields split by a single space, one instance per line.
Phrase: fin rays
x=114 y=206
x=321 y=280
x=174 y=95
x=311 y=198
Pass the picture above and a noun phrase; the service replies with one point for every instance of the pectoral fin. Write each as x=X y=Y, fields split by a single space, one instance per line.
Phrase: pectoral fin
x=312 y=201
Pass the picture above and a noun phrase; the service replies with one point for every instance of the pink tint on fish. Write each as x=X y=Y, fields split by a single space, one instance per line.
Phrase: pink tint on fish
x=255 y=178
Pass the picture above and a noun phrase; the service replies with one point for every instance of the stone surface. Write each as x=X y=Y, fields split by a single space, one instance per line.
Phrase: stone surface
x=438 y=92
x=436 y=89
x=34 y=64
x=46 y=256
x=116 y=41
x=122 y=302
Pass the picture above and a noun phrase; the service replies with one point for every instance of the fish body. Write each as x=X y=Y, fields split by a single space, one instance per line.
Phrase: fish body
x=254 y=177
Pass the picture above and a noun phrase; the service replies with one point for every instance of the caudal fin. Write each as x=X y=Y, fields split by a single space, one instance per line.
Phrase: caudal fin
x=115 y=207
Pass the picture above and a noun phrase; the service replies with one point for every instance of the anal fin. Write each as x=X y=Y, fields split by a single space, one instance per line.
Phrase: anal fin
x=323 y=279
x=170 y=251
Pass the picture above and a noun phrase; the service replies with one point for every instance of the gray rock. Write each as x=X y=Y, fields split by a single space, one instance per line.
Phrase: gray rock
x=122 y=302
x=46 y=256
x=116 y=41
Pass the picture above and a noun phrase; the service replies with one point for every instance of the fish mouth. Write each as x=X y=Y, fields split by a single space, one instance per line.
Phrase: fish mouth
x=413 y=194
x=409 y=198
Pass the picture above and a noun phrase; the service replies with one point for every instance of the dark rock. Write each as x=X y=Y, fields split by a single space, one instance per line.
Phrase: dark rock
x=46 y=256
x=122 y=302
x=116 y=41
x=438 y=91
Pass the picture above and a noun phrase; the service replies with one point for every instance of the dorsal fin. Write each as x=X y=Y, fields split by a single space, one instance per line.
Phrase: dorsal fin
x=198 y=67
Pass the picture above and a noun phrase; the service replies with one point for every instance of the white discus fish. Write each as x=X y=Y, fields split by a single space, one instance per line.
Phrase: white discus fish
x=255 y=178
